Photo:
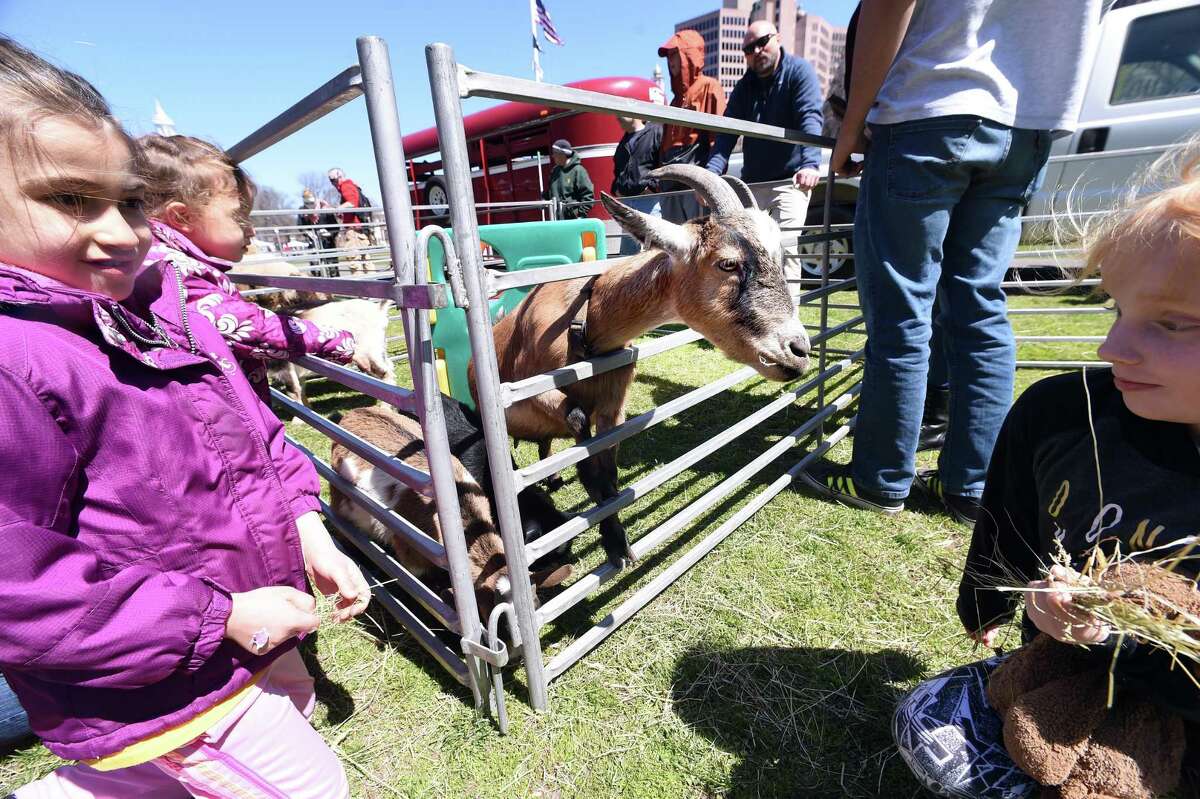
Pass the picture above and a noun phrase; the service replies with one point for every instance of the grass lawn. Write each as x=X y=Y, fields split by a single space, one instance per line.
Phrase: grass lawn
x=770 y=669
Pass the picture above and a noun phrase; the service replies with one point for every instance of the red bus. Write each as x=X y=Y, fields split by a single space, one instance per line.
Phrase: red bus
x=513 y=142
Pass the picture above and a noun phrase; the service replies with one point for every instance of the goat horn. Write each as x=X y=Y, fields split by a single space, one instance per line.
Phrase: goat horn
x=742 y=190
x=720 y=197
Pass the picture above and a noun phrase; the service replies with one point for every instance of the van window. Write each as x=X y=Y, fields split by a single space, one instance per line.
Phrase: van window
x=1161 y=58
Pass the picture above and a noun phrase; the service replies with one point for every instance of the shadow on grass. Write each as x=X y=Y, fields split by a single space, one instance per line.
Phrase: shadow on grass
x=801 y=721
x=331 y=694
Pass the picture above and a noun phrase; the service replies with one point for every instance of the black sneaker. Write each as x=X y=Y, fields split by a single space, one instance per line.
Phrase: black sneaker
x=832 y=480
x=964 y=510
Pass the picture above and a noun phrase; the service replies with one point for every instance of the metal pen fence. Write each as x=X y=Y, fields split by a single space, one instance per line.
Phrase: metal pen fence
x=471 y=649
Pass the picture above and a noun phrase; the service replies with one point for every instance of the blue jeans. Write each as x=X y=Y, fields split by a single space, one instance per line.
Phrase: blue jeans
x=938 y=217
x=14 y=725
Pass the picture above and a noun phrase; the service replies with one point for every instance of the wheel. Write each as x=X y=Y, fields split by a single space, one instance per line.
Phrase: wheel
x=436 y=195
x=839 y=265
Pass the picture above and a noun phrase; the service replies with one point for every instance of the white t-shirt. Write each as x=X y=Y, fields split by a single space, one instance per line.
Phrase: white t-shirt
x=1021 y=63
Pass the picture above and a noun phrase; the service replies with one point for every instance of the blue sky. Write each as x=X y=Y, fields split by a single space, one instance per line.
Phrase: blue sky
x=222 y=68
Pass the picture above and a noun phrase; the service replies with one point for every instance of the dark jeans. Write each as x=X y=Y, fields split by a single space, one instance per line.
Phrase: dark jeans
x=14 y=724
x=938 y=217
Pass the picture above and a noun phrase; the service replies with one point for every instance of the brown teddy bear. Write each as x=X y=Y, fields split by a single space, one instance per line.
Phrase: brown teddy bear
x=1052 y=697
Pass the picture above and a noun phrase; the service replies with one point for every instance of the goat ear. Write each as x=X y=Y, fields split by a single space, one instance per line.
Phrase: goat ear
x=548 y=578
x=652 y=231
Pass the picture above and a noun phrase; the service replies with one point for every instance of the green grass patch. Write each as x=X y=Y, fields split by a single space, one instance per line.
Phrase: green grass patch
x=770 y=669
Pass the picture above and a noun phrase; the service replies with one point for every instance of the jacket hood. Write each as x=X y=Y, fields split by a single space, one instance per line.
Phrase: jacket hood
x=690 y=45
x=572 y=162
x=167 y=237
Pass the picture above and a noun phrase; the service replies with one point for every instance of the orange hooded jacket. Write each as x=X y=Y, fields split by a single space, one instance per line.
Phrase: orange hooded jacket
x=693 y=90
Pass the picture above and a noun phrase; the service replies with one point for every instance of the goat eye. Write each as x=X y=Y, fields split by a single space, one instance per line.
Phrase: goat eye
x=729 y=266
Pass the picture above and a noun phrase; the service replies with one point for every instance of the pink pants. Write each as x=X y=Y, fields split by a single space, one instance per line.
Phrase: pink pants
x=265 y=749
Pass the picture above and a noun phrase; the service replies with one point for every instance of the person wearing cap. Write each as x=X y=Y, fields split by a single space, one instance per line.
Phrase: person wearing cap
x=569 y=182
x=777 y=89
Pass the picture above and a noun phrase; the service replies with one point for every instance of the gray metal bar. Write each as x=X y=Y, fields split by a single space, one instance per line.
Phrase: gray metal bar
x=587 y=585
x=518 y=390
x=393 y=395
x=1063 y=365
x=816 y=294
x=404 y=295
x=372 y=288
x=451 y=661
x=609 y=624
x=418 y=539
x=415 y=479
x=450 y=266
x=564 y=532
x=390 y=163
x=393 y=569
x=1082 y=339
x=503 y=87
x=1047 y=284
x=338 y=91
x=499 y=281
x=614 y=436
x=1024 y=311
x=443 y=80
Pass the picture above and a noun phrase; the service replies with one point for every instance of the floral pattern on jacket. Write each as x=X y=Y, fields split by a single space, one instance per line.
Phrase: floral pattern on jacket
x=255 y=334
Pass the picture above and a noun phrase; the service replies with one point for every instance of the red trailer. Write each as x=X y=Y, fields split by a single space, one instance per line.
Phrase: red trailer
x=513 y=142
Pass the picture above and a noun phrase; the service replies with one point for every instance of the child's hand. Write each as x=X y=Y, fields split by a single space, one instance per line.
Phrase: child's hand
x=331 y=571
x=1052 y=612
x=987 y=636
x=264 y=618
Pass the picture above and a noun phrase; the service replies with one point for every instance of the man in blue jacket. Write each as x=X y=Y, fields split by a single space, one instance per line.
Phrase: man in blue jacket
x=777 y=89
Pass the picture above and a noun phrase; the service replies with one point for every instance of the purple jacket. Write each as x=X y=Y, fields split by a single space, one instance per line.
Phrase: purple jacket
x=140 y=487
x=255 y=334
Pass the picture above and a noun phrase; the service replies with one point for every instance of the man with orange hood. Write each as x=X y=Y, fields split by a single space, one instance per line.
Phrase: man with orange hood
x=693 y=90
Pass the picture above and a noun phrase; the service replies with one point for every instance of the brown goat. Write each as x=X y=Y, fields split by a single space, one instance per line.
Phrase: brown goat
x=722 y=276
x=401 y=436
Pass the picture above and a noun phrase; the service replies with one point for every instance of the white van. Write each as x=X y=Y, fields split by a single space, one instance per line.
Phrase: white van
x=1143 y=94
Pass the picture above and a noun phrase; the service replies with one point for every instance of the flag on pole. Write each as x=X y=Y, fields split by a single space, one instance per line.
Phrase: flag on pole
x=537 y=48
x=543 y=18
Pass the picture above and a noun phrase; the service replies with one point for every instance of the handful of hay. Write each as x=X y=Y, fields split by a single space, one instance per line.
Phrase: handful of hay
x=1144 y=599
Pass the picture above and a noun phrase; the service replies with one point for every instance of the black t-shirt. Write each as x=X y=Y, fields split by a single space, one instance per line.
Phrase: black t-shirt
x=1042 y=486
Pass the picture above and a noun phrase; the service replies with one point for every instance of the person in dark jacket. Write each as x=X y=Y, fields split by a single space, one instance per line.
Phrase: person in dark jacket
x=639 y=151
x=777 y=89
x=569 y=182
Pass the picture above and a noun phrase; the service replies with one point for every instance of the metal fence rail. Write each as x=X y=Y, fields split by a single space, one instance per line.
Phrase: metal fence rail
x=450 y=84
x=472 y=649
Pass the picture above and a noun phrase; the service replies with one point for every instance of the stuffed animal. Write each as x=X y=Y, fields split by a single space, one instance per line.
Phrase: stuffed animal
x=1052 y=697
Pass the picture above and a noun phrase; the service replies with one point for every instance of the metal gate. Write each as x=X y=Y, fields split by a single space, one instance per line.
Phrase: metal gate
x=474 y=652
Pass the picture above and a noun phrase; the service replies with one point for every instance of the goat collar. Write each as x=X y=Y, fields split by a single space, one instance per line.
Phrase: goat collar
x=578 y=346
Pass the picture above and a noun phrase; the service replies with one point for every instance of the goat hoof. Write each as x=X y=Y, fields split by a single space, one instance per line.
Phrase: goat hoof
x=554 y=482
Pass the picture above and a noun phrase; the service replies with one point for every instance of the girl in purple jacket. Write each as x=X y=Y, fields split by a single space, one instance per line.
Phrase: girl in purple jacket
x=158 y=533
x=199 y=203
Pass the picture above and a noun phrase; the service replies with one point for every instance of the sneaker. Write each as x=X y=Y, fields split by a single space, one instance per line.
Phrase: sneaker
x=832 y=480
x=964 y=510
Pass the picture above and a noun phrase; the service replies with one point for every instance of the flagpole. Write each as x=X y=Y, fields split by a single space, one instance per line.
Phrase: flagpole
x=533 y=30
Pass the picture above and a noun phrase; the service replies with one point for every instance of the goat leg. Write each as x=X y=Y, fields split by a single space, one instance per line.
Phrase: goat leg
x=554 y=481
x=599 y=477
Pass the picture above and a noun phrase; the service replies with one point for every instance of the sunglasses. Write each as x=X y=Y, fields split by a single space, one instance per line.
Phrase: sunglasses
x=757 y=44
